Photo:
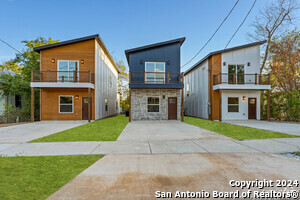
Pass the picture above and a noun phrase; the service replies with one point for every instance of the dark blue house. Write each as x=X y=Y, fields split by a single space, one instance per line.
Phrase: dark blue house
x=155 y=81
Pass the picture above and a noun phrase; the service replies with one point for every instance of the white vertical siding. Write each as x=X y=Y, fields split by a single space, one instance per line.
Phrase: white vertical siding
x=104 y=69
x=196 y=104
x=243 y=104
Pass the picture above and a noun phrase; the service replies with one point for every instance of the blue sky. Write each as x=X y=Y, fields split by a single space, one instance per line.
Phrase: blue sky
x=124 y=24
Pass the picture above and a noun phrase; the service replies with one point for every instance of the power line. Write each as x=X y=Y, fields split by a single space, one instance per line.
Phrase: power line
x=236 y=31
x=212 y=34
x=10 y=46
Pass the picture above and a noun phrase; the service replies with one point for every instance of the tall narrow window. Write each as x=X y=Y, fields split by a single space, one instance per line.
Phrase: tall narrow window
x=233 y=104
x=66 y=104
x=188 y=89
x=155 y=72
x=106 y=104
x=117 y=106
x=239 y=71
x=66 y=70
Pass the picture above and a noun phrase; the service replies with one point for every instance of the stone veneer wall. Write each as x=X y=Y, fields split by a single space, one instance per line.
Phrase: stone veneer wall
x=139 y=103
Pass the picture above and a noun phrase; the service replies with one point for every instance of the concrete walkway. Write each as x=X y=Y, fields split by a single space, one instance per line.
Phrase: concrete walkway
x=282 y=127
x=151 y=147
x=140 y=176
x=27 y=132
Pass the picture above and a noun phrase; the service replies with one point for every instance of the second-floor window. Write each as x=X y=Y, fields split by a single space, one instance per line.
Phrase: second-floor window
x=236 y=74
x=66 y=70
x=155 y=72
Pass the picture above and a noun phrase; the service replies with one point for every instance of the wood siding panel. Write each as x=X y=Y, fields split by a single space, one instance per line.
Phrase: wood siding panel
x=214 y=63
x=77 y=51
x=50 y=103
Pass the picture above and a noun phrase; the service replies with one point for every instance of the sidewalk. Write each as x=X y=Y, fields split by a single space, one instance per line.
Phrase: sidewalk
x=281 y=145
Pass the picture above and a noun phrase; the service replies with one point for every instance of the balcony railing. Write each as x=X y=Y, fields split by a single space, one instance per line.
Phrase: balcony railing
x=155 y=77
x=233 y=78
x=63 y=76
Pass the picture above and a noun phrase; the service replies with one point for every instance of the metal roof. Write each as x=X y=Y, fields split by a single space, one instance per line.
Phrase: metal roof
x=224 y=51
x=180 y=40
x=82 y=39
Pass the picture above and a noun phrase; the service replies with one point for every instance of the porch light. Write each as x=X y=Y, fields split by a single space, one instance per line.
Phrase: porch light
x=53 y=60
x=244 y=98
x=168 y=62
x=248 y=64
x=141 y=61
x=82 y=61
x=224 y=63
x=76 y=97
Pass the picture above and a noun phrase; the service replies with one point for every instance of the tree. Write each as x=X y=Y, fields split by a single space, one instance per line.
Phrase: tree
x=284 y=61
x=271 y=22
x=11 y=85
x=9 y=65
x=123 y=78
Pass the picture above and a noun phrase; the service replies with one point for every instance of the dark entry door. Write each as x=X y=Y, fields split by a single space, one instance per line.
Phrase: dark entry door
x=252 y=108
x=84 y=107
x=172 y=108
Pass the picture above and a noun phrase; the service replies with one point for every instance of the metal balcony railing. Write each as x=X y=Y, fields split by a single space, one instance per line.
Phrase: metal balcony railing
x=63 y=76
x=233 y=78
x=155 y=77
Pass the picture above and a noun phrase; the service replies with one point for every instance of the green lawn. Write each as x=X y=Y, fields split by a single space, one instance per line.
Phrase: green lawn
x=107 y=129
x=235 y=131
x=39 y=177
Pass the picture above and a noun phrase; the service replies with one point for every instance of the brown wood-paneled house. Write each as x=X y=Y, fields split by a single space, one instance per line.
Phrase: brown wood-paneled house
x=77 y=80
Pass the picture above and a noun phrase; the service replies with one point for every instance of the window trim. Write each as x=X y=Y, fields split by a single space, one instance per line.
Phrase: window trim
x=65 y=104
x=238 y=104
x=155 y=72
x=154 y=104
x=68 y=67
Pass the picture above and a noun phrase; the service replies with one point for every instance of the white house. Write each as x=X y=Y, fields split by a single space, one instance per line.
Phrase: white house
x=226 y=84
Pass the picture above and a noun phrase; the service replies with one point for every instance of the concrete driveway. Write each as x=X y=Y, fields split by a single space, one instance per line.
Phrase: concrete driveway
x=140 y=176
x=165 y=130
x=27 y=132
x=283 y=127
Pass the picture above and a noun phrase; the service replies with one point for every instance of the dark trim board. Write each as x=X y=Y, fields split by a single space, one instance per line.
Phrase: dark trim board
x=156 y=86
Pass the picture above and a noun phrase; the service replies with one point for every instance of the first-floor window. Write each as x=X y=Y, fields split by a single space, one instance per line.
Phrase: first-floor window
x=66 y=104
x=233 y=104
x=117 y=107
x=153 y=104
x=106 y=104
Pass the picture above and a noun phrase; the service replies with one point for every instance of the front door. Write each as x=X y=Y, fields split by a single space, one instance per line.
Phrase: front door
x=252 y=108
x=172 y=108
x=84 y=108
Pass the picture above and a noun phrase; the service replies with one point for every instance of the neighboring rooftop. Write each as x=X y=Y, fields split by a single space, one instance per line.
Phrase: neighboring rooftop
x=82 y=39
x=180 y=40
x=223 y=51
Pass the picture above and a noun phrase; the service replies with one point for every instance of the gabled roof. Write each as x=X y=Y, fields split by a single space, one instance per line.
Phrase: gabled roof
x=82 y=39
x=180 y=40
x=224 y=51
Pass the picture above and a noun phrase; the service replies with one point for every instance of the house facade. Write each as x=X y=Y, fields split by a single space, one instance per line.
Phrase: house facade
x=226 y=85
x=155 y=81
x=77 y=80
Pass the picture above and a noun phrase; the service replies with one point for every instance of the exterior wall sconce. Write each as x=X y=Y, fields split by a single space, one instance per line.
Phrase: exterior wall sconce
x=248 y=64
x=244 y=98
x=82 y=61
x=141 y=61
x=77 y=97
x=53 y=60
x=224 y=63
x=168 y=62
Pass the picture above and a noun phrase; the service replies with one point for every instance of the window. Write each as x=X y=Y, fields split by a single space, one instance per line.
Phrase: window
x=106 y=104
x=110 y=82
x=117 y=106
x=233 y=104
x=65 y=104
x=18 y=102
x=187 y=89
x=66 y=70
x=239 y=71
x=153 y=104
x=155 y=72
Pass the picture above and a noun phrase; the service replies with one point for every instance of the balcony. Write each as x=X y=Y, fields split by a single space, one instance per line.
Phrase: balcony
x=63 y=79
x=156 y=80
x=241 y=81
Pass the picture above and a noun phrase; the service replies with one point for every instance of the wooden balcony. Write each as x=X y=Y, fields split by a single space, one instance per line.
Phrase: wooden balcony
x=63 y=76
x=241 y=79
x=156 y=77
